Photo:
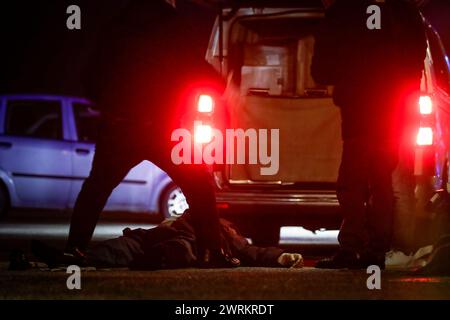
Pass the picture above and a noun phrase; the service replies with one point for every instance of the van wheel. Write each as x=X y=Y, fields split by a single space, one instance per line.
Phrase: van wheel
x=4 y=202
x=172 y=202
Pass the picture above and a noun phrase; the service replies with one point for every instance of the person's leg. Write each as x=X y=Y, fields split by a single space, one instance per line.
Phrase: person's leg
x=404 y=210
x=381 y=216
x=109 y=167
x=196 y=182
x=352 y=192
x=197 y=185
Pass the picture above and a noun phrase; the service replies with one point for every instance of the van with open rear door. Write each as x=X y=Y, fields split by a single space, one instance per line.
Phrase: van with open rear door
x=264 y=50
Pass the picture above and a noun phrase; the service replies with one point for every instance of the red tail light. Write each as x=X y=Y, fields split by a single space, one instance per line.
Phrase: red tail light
x=203 y=133
x=425 y=105
x=425 y=136
x=222 y=206
x=205 y=103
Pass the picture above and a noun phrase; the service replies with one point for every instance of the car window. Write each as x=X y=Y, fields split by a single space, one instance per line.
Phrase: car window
x=440 y=61
x=86 y=121
x=34 y=118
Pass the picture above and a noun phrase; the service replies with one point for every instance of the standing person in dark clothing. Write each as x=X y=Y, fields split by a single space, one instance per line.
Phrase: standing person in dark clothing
x=140 y=77
x=376 y=73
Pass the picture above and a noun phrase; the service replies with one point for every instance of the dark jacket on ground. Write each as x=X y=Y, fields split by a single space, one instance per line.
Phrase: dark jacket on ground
x=174 y=246
x=373 y=71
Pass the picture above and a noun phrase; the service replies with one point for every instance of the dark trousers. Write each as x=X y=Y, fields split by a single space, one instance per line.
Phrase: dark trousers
x=119 y=149
x=366 y=195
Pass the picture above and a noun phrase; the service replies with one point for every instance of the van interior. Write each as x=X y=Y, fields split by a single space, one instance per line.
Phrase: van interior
x=269 y=59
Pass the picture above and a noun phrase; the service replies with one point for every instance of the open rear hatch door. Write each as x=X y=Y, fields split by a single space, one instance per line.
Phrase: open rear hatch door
x=269 y=59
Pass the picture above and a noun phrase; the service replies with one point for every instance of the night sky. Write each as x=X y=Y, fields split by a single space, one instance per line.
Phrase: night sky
x=39 y=54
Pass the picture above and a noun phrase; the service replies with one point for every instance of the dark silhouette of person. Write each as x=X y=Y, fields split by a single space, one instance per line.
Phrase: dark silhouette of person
x=140 y=77
x=376 y=73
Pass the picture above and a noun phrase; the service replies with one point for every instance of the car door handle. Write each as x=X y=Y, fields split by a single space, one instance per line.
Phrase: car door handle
x=82 y=151
x=5 y=145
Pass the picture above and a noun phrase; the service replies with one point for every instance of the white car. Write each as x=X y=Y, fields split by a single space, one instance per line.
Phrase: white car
x=47 y=144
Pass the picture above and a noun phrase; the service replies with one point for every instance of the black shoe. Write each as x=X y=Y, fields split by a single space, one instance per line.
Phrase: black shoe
x=344 y=259
x=217 y=259
x=443 y=241
x=56 y=258
x=371 y=258
x=18 y=261
x=439 y=263
x=76 y=253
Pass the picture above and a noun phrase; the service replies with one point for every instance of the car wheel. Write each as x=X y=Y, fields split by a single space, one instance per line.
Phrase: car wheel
x=173 y=202
x=4 y=202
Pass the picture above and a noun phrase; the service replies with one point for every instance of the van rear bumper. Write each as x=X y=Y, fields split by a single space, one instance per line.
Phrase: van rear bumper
x=284 y=199
x=310 y=209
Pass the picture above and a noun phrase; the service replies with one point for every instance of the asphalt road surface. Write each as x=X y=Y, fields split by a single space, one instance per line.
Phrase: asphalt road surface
x=239 y=283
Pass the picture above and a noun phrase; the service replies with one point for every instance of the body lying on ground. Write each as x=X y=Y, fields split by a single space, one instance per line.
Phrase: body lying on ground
x=170 y=245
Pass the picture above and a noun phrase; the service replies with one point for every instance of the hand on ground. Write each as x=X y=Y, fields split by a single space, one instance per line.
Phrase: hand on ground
x=291 y=260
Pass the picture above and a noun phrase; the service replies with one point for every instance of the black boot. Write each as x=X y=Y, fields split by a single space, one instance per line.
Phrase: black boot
x=56 y=258
x=218 y=259
x=18 y=261
x=344 y=259
x=370 y=258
